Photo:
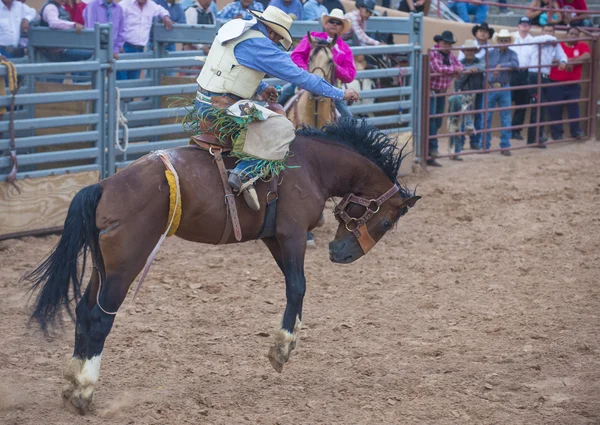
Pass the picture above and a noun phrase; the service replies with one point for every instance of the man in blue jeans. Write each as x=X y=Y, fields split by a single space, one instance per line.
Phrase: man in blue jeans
x=504 y=61
x=463 y=10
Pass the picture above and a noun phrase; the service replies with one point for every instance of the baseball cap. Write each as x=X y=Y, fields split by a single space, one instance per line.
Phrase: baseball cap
x=525 y=20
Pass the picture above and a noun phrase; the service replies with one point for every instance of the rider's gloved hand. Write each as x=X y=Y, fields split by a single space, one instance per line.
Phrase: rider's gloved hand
x=270 y=94
x=351 y=95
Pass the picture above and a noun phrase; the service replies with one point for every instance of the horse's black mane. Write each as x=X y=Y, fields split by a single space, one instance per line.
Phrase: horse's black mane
x=365 y=139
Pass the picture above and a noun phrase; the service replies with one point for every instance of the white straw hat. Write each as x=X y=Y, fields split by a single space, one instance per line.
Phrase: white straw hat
x=503 y=33
x=339 y=15
x=278 y=21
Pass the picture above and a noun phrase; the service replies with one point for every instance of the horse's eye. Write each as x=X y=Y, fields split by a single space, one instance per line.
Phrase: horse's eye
x=386 y=225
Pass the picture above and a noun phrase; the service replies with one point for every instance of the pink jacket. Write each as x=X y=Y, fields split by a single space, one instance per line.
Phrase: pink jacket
x=345 y=70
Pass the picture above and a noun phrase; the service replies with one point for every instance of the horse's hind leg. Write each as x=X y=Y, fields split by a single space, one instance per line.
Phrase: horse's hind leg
x=94 y=321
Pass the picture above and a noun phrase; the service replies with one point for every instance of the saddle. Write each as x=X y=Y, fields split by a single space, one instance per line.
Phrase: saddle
x=210 y=143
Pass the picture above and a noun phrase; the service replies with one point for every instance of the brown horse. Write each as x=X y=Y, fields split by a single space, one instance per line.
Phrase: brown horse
x=307 y=108
x=121 y=219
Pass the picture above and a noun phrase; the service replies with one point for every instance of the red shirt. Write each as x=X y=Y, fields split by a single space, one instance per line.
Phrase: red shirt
x=76 y=12
x=572 y=52
x=440 y=83
x=575 y=4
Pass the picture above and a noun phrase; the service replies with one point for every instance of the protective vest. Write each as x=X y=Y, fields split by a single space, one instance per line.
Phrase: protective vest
x=222 y=73
x=63 y=13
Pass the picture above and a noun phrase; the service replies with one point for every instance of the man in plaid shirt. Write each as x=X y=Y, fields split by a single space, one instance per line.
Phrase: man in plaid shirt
x=442 y=62
x=359 y=18
x=239 y=9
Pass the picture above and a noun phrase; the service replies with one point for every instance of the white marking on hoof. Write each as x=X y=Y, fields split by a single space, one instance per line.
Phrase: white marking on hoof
x=82 y=375
x=279 y=353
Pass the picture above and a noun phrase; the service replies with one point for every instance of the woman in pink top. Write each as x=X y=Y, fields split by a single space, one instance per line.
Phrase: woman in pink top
x=345 y=71
x=75 y=9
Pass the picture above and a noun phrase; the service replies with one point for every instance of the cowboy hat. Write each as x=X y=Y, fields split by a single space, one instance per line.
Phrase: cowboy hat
x=483 y=26
x=469 y=45
x=338 y=15
x=446 y=36
x=367 y=4
x=503 y=33
x=278 y=21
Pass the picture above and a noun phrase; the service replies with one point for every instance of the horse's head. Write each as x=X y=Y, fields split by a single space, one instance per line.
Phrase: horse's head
x=320 y=61
x=363 y=222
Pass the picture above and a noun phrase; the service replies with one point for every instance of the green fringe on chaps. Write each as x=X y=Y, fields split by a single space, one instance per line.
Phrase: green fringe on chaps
x=227 y=127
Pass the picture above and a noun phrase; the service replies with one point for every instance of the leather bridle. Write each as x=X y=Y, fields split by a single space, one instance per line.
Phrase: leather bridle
x=358 y=226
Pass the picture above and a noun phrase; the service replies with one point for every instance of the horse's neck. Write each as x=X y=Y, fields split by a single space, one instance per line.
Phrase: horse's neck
x=343 y=171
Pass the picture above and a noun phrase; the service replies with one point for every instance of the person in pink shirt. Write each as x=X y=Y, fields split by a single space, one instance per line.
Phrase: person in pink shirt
x=138 y=15
x=334 y=25
x=75 y=9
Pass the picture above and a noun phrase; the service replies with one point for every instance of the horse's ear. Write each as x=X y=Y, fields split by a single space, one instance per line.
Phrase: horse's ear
x=335 y=38
x=410 y=202
x=310 y=39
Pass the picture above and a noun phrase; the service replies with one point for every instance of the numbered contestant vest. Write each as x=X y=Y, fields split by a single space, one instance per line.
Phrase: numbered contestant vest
x=222 y=73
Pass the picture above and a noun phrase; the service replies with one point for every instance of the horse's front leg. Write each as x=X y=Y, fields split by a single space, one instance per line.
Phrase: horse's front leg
x=289 y=254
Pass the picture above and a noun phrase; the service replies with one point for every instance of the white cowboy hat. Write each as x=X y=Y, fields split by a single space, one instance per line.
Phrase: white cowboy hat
x=278 y=21
x=470 y=44
x=339 y=15
x=503 y=33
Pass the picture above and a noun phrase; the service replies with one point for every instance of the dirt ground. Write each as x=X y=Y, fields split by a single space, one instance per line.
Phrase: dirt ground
x=482 y=307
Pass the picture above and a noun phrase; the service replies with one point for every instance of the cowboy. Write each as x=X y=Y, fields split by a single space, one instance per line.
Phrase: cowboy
x=358 y=18
x=502 y=61
x=445 y=63
x=519 y=76
x=240 y=56
x=482 y=33
x=334 y=25
x=471 y=79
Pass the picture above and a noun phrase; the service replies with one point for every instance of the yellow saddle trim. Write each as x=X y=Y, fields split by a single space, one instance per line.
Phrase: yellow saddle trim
x=174 y=206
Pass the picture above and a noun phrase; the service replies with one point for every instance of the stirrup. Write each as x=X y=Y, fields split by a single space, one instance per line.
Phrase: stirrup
x=251 y=197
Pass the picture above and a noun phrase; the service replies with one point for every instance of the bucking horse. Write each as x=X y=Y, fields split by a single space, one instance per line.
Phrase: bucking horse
x=121 y=221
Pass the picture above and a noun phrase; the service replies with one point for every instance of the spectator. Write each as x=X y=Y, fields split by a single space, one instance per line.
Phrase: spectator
x=14 y=21
x=503 y=9
x=313 y=10
x=577 y=53
x=75 y=9
x=55 y=16
x=291 y=7
x=471 y=79
x=345 y=71
x=446 y=63
x=359 y=18
x=203 y=12
x=551 y=15
x=334 y=4
x=482 y=33
x=519 y=76
x=239 y=9
x=105 y=12
x=504 y=61
x=550 y=52
x=138 y=16
x=463 y=10
x=576 y=19
x=177 y=16
x=415 y=6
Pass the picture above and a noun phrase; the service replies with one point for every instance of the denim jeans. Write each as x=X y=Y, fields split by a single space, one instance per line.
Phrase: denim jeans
x=463 y=10
x=132 y=74
x=502 y=99
x=478 y=122
x=436 y=106
x=171 y=47
x=556 y=94
x=531 y=131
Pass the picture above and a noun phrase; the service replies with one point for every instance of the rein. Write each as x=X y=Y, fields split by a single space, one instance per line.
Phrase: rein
x=359 y=228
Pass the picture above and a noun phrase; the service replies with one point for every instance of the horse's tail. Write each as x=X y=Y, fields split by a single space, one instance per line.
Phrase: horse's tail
x=59 y=270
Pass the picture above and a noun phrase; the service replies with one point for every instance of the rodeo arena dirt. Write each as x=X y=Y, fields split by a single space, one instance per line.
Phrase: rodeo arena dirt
x=480 y=308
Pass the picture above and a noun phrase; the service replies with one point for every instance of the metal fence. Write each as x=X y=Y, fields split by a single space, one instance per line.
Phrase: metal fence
x=117 y=121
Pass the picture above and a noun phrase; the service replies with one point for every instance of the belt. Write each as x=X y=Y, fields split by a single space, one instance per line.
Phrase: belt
x=211 y=94
x=543 y=75
x=133 y=45
x=497 y=85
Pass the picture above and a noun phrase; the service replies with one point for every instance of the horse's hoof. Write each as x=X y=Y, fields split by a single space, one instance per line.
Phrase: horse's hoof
x=280 y=352
x=77 y=398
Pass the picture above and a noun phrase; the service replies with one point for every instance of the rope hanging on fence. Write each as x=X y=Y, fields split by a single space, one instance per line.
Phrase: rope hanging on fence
x=13 y=86
x=121 y=122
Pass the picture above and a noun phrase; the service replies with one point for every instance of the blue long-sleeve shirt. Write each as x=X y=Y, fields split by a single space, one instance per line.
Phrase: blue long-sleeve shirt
x=506 y=59
x=294 y=7
x=273 y=61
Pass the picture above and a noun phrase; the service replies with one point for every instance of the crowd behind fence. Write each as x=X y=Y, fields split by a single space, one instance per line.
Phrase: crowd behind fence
x=459 y=119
